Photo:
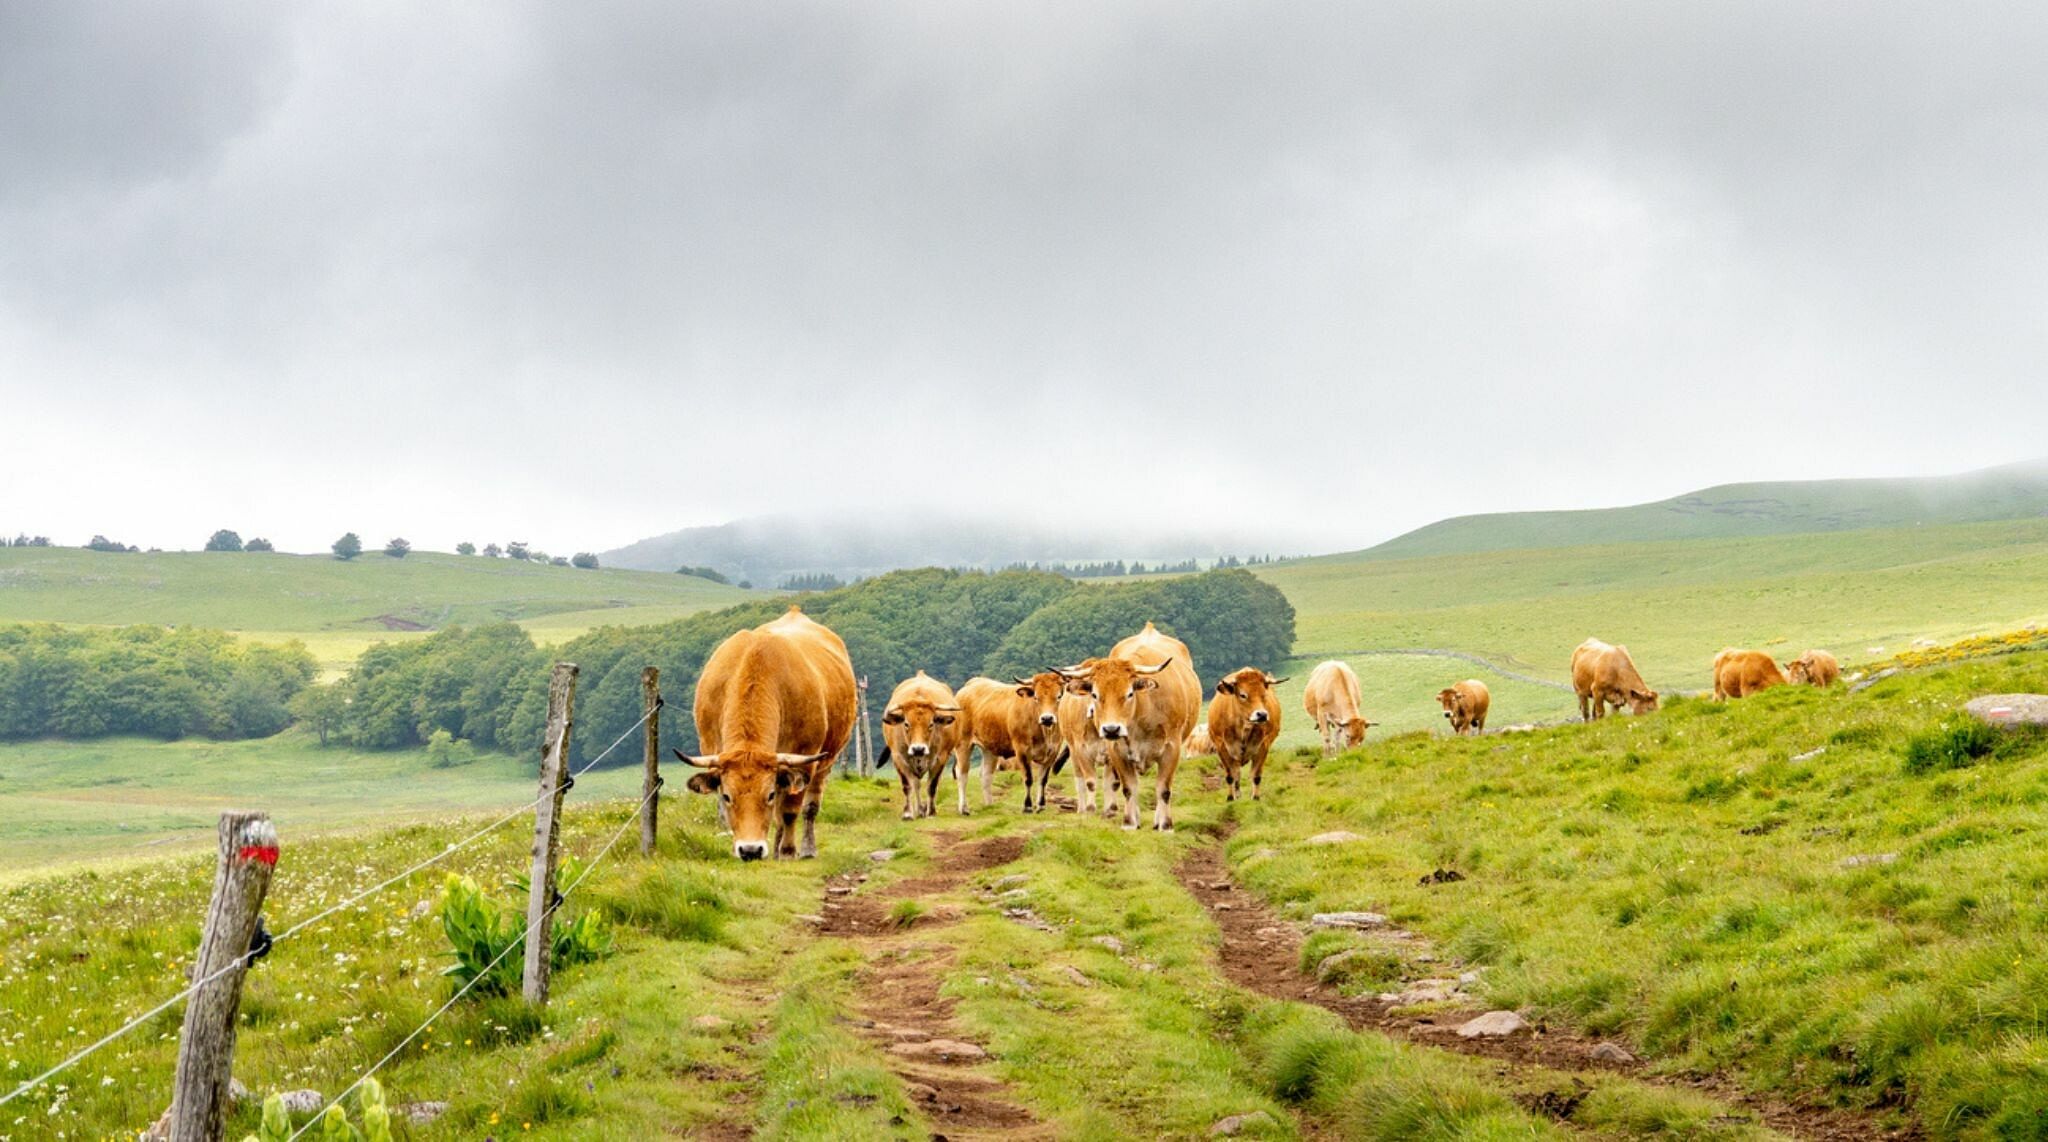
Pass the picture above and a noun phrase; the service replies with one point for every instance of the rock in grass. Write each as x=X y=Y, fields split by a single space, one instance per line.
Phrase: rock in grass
x=1360 y=920
x=1239 y=1123
x=708 y=1022
x=944 y=1050
x=1337 y=837
x=880 y=855
x=1493 y=1025
x=1075 y=975
x=1112 y=943
x=421 y=1113
x=1873 y=680
x=1613 y=1053
x=303 y=1101
x=1867 y=859
x=2010 y=709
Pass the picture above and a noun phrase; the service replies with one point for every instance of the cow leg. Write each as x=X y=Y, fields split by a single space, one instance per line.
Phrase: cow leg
x=961 y=759
x=1259 y=768
x=988 y=778
x=1584 y=714
x=1084 y=785
x=1044 y=779
x=785 y=829
x=931 y=788
x=1162 y=815
x=810 y=845
x=903 y=777
x=1030 y=772
x=1226 y=757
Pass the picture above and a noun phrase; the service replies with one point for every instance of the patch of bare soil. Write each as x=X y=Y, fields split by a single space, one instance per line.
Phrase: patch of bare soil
x=1262 y=952
x=393 y=622
x=900 y=1008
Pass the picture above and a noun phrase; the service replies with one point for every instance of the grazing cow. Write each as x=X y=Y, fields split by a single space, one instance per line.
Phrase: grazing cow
x=1199 y=743
x=1244 y=718
x=1739 y=673
x=1465 y=704
x=1144 y=698
x=1814 y=668
x=1605 y=678
x=1013 y=722
x=1332 y=700
x=919 y=736
x=774 y=707
x=1085 y=747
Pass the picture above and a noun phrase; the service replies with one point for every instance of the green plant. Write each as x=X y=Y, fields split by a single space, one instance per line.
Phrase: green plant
x=334 y=1125
x=482 y=935
x=906 y=913
x=1957 y=743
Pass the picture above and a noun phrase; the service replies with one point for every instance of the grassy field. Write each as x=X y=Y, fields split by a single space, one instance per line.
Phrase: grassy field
x=309 y=593
x=126 y=799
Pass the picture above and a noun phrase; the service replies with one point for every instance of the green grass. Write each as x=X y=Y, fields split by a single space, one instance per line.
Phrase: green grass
x=2016 y=491
x=1839 y=927
x=116 y=799
x=307 y=593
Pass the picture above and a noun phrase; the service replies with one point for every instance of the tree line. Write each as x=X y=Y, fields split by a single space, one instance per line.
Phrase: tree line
x=156 y=682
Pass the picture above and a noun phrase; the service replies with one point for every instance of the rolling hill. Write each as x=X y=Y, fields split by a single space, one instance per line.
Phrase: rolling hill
x=1729 y=511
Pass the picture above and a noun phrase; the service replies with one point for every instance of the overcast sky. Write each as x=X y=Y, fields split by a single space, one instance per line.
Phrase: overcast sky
x=584 y=272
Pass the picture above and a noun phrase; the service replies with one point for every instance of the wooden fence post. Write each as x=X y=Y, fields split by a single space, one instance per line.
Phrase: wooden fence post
x=206 y=1043
x=547 y=839
x=650 y=781
x=864 y=744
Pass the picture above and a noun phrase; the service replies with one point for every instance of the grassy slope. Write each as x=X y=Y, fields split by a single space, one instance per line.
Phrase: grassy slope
x=2016 y=491
x=303 y=593
x=1679 y=880
x=129 y=798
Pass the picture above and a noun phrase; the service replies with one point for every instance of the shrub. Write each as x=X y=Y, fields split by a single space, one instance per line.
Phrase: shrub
x=1961 y=741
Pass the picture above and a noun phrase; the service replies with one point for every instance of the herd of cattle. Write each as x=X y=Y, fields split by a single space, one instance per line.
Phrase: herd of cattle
x=776 y=704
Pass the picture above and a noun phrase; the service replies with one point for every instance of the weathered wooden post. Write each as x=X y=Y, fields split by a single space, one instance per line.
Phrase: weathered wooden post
x=650 y=780
x=206 y=1043
x=547 y=840
x=867 y=735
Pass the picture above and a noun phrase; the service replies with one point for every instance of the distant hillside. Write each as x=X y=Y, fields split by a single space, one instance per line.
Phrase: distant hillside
x=2015 y=491
x=766 y=550
x=275 y=592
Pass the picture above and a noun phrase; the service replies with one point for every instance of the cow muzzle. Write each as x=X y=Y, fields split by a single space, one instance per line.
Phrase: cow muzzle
x=1259 y=717
x=916 y=750
x=1112 y=730
x=750 y=850
x=1046 y=720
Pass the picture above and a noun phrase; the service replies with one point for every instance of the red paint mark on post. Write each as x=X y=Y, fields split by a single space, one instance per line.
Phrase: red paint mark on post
x=265 y=853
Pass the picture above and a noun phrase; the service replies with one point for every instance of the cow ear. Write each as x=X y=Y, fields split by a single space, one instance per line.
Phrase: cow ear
x=1026 y=692
x=942 y=719
x=1224 y=687
x=892 y=717
x=791 y=780
x=1142 y=684
x=702 y=782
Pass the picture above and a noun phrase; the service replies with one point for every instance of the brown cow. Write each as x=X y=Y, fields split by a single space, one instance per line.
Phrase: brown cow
x=1085 y=747
x=1605 y=678
x=919 y=736
x=1739 y=673
x=1199 y=744
x=1332 y=700
x=1013 y=722
x=774 y=707
x=1465 y=704
x=1814 y=668
x=1244 y=718
x=1145 y=700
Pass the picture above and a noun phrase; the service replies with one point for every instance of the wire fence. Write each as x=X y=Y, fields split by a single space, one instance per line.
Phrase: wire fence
x=454 y=847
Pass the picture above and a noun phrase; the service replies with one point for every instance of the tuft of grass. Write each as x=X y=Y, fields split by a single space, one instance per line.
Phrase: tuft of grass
x=906 y=913
x=670 y=902
x=1961 y=741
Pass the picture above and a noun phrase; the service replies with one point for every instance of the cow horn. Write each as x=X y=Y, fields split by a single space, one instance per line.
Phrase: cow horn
x=800 y=760
x=1081 y=670
x=947 y=709
x=1272 y=681
x=1153 y=669
x=696 y=762
x=1016 y=681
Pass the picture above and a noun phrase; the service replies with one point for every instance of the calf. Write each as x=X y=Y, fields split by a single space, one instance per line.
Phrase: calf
x=1465 y=704
x=1814 y=668
x=1740 y=673
x=1332 y=700
x=1015 y=721
x=1244 y=718
x=918 y=738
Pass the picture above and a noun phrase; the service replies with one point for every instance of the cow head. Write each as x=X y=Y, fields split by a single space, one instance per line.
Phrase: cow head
x=1640 y=701
x=1452 y=702
x=1354 y=732
x=751 y=784
x=1112 y=686
x=1250 y=687
x=1044 y=689
x=921 y=723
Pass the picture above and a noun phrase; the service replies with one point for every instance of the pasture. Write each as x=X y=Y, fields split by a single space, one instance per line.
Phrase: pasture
x=1847 y=945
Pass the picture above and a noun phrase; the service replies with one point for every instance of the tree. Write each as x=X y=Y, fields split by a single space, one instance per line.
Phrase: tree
x=465 y=548
x=258 y=544
x=703 y=573
x=516 y=549
x=348 y=546
x=559 y=561
x=224 y=540
x=320 y=707
x=493 y=550
x=398 y=548
x=745 y=584
x=585 y=560
x=102 y=543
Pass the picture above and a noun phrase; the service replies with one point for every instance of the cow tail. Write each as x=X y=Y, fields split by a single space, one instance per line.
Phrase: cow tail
x=882 y=758
x=1060 y=762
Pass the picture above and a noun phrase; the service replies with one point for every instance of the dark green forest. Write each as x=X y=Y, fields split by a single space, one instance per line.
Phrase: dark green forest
x=153 y=681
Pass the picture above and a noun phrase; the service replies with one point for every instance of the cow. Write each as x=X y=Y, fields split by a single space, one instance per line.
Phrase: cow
x=1143 y=698
x=1013 y=722
x=1244 y=718
x=919 y=736
x=774 y=707
x=1199 y=743
x=1739 y=673
x=1082 y=744
x=1605 y=677
x=1465 y=704
x=1332 y=701
x=1814 y=668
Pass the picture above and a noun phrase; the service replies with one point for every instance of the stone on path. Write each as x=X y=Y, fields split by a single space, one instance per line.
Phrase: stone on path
x=1359 y=920
x=880 y=855
x=1613 y=1053
x=944 y=1050
x=1239 y=1123
x=1337 y=837
x=2010 y=709
x=1493 y=1025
